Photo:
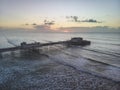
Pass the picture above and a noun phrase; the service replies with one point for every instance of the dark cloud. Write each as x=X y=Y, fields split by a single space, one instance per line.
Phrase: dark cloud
x=76 y=19
x=34 y=24
x=73 y=18
x=46 y=22
x=91 y=21
x=26 y=24
x=30 y=24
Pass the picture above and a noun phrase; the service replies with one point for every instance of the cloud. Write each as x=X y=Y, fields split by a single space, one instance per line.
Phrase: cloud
x=46 y=22
x=90 y=29
x=73 y=18
x=42 y=28
x=34 y=24
x=45 y=28
x=76 y=19
x=91 y=21
x=30 y=24
x=26 y=24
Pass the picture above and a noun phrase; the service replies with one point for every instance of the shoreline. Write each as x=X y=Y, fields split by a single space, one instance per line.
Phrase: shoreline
x=46 y=74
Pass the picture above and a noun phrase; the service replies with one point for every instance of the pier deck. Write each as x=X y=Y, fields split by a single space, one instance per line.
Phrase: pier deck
x=24 y=45
x=28 y=46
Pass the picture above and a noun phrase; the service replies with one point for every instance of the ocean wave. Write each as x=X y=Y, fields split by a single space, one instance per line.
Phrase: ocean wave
x=89 y=66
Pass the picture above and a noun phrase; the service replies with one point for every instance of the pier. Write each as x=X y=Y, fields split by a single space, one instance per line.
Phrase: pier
x=74 y=41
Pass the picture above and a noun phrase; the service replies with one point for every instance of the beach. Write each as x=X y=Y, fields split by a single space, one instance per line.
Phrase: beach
x=57 y=67
x=42 y=73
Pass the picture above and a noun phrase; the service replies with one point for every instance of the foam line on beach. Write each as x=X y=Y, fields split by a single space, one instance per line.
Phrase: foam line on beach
x=99 y=52
x=83 y=64
x=109 y=71
x=75 y=56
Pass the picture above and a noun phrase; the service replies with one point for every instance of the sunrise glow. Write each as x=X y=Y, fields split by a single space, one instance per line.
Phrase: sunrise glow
x=59 y=13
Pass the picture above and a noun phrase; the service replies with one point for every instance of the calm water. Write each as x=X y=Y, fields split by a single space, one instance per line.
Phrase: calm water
x=105 y=47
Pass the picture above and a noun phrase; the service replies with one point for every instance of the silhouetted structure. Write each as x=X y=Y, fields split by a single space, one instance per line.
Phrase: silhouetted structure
x=74 y=41
x=78 y=41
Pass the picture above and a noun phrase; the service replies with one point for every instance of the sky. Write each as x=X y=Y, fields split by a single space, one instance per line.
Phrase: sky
x=54 y=14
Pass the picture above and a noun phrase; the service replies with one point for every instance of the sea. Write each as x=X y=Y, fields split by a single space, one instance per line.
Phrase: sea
x=101 y=58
